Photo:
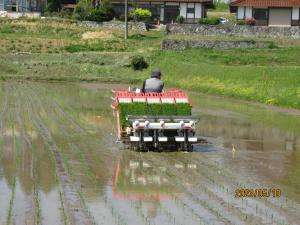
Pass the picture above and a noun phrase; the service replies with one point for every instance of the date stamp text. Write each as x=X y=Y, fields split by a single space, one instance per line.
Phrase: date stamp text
x=258 y=193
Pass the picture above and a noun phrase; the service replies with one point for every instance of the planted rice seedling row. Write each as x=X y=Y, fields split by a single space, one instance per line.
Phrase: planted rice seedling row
x=219 y=194
x=229 y=182
x=75 y=150
x=16 y=151
x=66 y=186
x=27 y=209
x=58 y=214
x=4 y=108
x=71 y=152
x=57 y=178
x=209 y=200
x=41 y=207
x=178 y=182
x=6 y=183
x=236 y=206
x=196 y=177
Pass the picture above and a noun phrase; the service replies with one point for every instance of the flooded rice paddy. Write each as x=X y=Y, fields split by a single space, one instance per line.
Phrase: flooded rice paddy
x=60 y=164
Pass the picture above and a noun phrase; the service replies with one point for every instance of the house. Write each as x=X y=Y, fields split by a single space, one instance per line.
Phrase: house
x=68 y=5
x=268 y=12
x=166 y=11
x=21 y=6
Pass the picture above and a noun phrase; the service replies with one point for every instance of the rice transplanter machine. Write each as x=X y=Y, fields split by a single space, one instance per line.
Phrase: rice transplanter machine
x=155 y=121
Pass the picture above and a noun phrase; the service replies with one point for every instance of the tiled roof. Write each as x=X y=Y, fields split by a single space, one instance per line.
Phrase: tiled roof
x=210 y=2
x=266 y=3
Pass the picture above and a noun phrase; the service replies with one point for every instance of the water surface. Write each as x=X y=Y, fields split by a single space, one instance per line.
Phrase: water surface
x=60 y=163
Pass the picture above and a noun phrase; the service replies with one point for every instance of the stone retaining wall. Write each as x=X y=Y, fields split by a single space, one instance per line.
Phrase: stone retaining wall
x=184 y=44
x=235 y=30
x=16 y=15
x=114 y=24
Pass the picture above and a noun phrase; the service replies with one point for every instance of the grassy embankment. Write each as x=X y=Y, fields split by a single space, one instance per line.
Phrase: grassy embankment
x=62 y=51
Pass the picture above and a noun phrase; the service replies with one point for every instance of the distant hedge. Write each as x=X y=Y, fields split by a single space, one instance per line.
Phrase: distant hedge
x=143 y=109
x=209 y=21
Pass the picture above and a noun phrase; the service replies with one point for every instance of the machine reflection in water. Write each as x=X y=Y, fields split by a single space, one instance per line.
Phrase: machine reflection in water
x=140 y=179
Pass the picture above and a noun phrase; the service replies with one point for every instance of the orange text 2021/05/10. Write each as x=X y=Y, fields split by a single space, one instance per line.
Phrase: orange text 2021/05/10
x=257 y=193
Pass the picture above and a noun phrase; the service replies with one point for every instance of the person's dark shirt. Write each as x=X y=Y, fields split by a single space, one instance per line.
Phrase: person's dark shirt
x=153 y=85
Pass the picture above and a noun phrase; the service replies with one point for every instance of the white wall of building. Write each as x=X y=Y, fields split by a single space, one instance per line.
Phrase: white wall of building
x=198 y=10
x=295 y=14
x=190 y=15
x=244 y=12
x=240 y=12
x=1 y=5
x=162 y=14
x=15 y=15
x=183 y=7
x=248 y=12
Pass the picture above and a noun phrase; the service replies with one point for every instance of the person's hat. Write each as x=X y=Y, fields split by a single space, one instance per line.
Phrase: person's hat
x=156 y=73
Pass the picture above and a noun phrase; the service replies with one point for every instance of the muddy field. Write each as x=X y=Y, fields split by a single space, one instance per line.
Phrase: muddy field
x=60 y=164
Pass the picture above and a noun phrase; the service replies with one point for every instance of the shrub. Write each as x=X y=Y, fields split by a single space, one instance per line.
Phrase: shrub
x=75 y=16
x=180 y=19
x=241 y=22
x=53 y=5
x=250 y=21
x=103 y=13
x=272 y=45
x=139 y=63
x=64 y=13
x=209 y=21
x=82 y=10
x=141 y=14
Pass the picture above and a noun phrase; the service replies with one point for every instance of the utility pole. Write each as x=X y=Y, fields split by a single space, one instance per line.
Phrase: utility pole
x=126 y=20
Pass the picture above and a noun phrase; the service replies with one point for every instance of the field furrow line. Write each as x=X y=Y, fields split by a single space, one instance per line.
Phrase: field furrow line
x=179 y=178
x=16 y=151
x=71 y=200
x=6 y=147
x=33 y=216
x=60 y=114
x=228 y=183
x=65 y=115
x=213 y=199
x=90 y=156
x=123 y=209
x=52 y=201
x=4 y=109
x=24 y=209
x=73 y=149
x=177 y=181
x=221 y=194
x=70 y=132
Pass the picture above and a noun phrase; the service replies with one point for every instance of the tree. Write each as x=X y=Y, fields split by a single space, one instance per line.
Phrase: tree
x=83 y=9
x=53 y=5
x=104 y=12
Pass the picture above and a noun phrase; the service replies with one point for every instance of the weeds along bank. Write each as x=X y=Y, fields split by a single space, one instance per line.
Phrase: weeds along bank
x=63 y=51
